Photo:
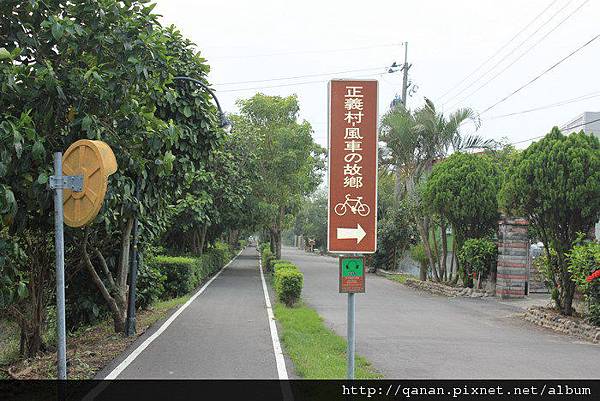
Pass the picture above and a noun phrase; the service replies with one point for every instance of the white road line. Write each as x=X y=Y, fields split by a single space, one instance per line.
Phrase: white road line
x=279 y=360
x=131 y=357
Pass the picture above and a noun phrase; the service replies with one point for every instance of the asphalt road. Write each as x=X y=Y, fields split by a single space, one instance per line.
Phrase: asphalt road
x=408 y=334
x=224 y=333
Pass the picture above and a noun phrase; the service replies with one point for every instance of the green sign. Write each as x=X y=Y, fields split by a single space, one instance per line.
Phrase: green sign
x=353 y=267
x=352 y=274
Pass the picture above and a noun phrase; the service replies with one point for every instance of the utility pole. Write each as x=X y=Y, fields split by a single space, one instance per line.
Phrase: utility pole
x=405 y=69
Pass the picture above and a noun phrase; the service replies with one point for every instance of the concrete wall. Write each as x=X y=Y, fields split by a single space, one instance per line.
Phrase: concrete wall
x=590 y=126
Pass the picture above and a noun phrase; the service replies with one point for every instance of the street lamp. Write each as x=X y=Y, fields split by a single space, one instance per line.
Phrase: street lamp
x=223 y=120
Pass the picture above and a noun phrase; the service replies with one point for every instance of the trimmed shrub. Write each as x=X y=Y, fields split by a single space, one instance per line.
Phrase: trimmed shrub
x=271 y=261
x=477 y=255
x=150 y=285
x=280 y=266
x=584 y=266
x=182 y=273
x=280 y=263
x=267 y=257
x=288 y=285
x=179 y=274
x=263 y=246
x=216 y=257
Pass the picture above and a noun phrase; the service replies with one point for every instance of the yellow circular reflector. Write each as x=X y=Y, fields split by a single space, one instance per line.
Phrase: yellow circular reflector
x=95 y=161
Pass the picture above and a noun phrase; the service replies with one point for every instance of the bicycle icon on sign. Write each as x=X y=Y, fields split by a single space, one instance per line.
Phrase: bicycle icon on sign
x=355 y=206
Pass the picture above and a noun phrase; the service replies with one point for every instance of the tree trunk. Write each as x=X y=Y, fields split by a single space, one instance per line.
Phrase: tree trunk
x=423 y=233
x=451 y=271
x=436 y=253
x=567 y=286
x=30 y=339
x=456 y=263
x=278 y=245
x=195 y=242
x=276 y=232
x=399 y=184
x=203 y=239
x=115 y=296
x=272 y=240
x=443 y=272
x=234 y=236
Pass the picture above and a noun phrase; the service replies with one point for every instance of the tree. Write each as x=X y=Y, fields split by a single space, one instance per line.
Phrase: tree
x=218 y=202
x=463 y=190
x=555 y=183
x=395 y=233
x=311 y=220
x=413 y=142
x=99 y=69
x=289 y=160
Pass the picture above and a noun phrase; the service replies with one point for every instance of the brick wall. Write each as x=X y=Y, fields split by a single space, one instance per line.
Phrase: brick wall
x=513 y=255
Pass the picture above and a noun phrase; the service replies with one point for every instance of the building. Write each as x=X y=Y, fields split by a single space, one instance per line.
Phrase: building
x=589 y=122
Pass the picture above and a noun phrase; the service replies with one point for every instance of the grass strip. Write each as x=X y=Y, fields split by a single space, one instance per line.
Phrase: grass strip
x=400 y=278
x=316 y=351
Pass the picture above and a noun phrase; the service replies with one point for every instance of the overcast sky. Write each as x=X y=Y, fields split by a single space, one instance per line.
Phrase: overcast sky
x=447 y=41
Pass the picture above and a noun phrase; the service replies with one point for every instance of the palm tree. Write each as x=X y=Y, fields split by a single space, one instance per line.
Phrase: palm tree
x=414 y=141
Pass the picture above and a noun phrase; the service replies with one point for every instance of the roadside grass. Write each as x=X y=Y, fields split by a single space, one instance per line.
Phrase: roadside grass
x=9 y=345
x=90 y=348
x=316 y=351
x=400 y=278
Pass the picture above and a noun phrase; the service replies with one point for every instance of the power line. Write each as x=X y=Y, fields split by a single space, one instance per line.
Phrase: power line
x=526 y=140
x=548 y=106
x=310 y=51
x=301 y=76
x=522 y=54
x=499 y=62
x=497 y=52
x=289 y=84
x=542 y=74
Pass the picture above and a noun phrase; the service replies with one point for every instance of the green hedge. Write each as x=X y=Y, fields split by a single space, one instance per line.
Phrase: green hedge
x=267 y=259
x=288 y=282
x=263 y=245
x=150 y=284
x=282 y=264
x=181 y=274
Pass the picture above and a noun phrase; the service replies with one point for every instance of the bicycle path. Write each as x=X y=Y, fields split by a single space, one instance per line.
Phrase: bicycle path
x=223 y=333
x=408 y=334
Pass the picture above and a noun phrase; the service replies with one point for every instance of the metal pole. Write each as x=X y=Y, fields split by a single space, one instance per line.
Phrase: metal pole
x=351 y=336
x=60 y=271
x=130 y=324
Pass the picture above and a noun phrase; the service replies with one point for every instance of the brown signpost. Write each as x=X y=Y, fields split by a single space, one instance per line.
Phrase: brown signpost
x=352 y=176
x=352 y=179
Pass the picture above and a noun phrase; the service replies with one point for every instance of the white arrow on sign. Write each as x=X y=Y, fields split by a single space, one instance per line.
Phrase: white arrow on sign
x=351 y=233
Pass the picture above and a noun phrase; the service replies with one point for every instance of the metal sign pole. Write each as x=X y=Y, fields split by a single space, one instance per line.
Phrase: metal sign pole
x=60 y=270
x=351 y=336
x=58 y=183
